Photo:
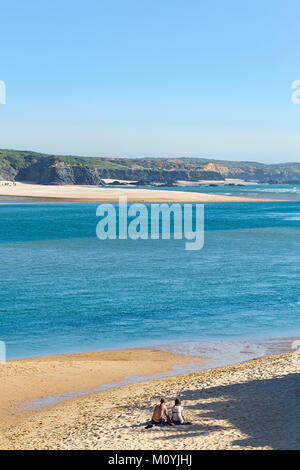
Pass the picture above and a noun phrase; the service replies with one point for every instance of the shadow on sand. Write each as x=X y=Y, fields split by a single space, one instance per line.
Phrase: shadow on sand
x=267 y=411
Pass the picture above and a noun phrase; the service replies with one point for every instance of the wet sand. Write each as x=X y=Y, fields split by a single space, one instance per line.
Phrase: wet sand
x=26 y=380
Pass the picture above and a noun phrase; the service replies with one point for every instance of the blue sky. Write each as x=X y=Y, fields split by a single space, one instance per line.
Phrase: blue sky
x=151 y=78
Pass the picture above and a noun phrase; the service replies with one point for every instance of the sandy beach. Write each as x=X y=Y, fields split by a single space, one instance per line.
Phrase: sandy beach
x=252 y=405
x=25 y=380
x=35 y=192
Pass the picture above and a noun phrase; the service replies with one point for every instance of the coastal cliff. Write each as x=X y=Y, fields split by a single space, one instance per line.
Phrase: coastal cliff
x=51 y=169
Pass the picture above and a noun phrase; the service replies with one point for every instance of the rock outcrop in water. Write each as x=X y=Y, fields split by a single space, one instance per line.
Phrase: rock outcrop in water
x=51 y=169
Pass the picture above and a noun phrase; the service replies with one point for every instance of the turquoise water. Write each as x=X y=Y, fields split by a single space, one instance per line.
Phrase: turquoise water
x=63 y=290
x=264 y=191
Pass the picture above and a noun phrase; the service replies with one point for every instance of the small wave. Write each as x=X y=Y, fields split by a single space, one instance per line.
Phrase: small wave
x=284 y=215
x=294 y=190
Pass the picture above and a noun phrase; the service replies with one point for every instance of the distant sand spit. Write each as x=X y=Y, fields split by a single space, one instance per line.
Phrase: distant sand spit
x=22 y=191
x=252 y=405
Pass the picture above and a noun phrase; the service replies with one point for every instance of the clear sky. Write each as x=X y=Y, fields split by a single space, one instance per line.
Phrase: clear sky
x=151 y=78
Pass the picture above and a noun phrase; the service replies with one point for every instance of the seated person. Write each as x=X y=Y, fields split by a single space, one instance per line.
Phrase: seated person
x=177 y=413
x=160 y=414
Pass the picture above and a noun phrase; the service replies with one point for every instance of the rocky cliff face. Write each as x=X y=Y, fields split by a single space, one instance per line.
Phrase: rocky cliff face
x=7 y=172
x=51 y=169
x=47 y=171
x=266 y=175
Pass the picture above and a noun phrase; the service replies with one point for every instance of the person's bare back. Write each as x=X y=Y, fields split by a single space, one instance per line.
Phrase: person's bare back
x=160 y=415
x=159 y=412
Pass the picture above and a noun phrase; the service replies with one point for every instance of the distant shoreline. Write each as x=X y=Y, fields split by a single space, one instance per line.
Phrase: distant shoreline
x=40 y=168
x=71 y=193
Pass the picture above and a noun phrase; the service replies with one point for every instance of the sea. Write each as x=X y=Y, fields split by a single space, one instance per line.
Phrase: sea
x=62 y=290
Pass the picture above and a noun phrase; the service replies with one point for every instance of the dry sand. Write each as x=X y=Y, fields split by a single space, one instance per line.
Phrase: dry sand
x=253 y=405
x=23 y=191
x=25 y=380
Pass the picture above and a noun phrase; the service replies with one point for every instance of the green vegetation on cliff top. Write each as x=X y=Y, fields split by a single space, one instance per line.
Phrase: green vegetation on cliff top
x=14 y=161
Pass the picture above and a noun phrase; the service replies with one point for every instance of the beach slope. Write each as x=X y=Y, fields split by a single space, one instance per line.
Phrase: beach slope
x=253 y=405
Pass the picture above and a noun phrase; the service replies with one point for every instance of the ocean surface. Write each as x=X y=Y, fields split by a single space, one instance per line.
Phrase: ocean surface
x=63 y=290
x=265 y=191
